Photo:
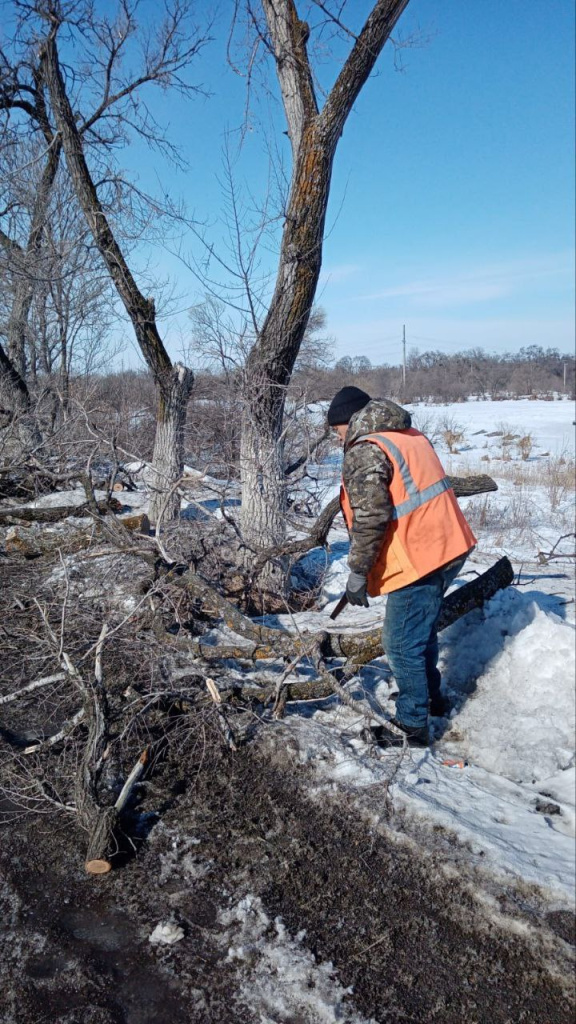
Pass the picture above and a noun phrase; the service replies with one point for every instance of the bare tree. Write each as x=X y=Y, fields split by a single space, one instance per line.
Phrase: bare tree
x=102 y=82
x=25 y=258
x=314 y=136
x=74 y=305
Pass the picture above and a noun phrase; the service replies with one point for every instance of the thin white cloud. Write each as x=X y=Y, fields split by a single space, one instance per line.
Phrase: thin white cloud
x=340 y=272
x=482 y=284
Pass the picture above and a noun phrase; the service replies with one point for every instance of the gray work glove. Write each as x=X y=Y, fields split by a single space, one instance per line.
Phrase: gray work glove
x=356 y=589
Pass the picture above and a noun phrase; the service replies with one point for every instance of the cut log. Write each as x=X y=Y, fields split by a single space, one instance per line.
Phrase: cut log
x=356 y=648
x=98 y=867
x=363 y=648
x=102 y=843
x=54 y=513
x=468 y=486
x=33 y=543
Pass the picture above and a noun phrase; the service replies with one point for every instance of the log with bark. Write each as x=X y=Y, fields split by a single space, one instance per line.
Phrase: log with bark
x=356 y=648
x=99 y=821
x=54 y=513
x=31 y=543
x=104 y=823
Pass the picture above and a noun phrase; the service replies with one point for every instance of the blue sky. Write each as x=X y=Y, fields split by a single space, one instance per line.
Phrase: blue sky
x=452 y=203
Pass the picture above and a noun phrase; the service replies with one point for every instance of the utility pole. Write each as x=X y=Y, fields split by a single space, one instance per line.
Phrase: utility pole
x=404 y=361
x=565 y=364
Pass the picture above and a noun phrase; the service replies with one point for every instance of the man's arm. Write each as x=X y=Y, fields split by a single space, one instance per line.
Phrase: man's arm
x=367 y=473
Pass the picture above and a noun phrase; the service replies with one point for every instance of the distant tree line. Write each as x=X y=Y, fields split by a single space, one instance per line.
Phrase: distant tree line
x=532 y=372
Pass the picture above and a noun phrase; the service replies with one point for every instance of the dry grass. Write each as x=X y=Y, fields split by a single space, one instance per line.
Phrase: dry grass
x=543 y=493
x=556 y=475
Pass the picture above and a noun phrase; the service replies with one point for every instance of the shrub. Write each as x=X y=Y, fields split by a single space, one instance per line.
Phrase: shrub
x=525 y=445
x=452 y=433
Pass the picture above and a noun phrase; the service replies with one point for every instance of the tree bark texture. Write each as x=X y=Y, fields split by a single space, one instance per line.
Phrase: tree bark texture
x=314 y=136
x=173 y=383
x=168 y=457
x=16 y=384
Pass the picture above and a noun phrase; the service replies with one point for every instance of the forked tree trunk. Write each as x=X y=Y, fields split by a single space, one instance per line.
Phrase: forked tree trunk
x=314 y=136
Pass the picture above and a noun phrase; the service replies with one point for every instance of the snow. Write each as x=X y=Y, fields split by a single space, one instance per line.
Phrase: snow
x=520 y=723
x=68 y=499
x=509 y=670
x=283 y=981
x=166 y=934
x=550 y=423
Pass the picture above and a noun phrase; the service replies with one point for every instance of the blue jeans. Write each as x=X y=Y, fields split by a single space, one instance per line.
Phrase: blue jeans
x=410 y=642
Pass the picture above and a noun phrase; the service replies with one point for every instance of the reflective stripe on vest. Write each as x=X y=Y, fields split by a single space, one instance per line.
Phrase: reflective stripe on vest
x=417 y=498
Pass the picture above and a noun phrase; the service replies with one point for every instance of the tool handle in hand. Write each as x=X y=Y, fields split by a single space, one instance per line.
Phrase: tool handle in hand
x=341 y=604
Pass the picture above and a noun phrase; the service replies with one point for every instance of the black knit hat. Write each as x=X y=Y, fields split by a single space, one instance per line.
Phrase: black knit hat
x=345 y=403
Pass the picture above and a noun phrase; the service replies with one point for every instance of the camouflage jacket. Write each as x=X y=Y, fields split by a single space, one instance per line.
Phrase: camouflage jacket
x=367 y=472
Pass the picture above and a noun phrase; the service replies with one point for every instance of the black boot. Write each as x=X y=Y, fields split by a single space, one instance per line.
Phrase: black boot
x=439 y=706
x=399 y=735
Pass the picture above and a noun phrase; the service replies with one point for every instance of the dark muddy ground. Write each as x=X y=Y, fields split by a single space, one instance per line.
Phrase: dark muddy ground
x=414 y=944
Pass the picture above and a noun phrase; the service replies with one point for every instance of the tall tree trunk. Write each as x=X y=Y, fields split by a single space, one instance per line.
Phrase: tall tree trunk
x=269 y=365
x=263 y=490
x=168 y=458
x=314 y=136
x=27 y=275
x=173 y=383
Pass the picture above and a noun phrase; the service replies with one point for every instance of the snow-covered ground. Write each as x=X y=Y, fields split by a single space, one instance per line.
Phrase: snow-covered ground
x=509 y=669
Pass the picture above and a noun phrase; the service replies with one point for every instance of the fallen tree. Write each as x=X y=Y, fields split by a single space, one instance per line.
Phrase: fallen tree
x=263 y=642
x=55 y=513
x=107 y=739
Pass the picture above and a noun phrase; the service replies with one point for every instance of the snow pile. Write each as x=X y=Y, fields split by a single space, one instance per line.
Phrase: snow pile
x=166 y=934
x=520 y=722
x=284 y=982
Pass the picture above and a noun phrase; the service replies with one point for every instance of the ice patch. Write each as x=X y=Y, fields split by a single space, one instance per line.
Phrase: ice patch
x=283 y=982
x=166 y=934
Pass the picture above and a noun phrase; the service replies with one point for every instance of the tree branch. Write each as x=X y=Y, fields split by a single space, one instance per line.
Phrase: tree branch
x=140 y=310
x=359 y=65
x=289 y=36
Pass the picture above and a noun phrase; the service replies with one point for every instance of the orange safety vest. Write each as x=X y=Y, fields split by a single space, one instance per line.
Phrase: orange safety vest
x=428 y=529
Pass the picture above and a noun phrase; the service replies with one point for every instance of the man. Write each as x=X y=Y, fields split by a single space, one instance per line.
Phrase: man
x=408 y=539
